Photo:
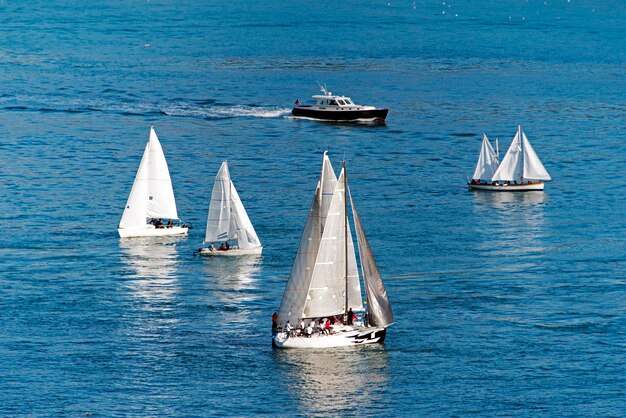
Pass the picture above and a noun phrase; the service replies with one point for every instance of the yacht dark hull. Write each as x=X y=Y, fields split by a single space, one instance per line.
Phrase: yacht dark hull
x=340 y=115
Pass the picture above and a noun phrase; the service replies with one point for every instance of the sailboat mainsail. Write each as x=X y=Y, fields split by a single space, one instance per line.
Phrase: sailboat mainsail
x=487 y=162
x=511 y=167
x=227 y=219
x=152 y=195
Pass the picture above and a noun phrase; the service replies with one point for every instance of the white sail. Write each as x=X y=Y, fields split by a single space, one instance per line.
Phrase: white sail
x=355 y=298
x=328 y=181
x=294 y=297
x=152 y=195
x=322 y=254
x=511 y=167
x=533 y=168
x=161 y=202
x=326 y=293
x=136 y=209
x=378 y=306
x=244 y=232
x=227 y=219
x=487 y=162
x=219 y=217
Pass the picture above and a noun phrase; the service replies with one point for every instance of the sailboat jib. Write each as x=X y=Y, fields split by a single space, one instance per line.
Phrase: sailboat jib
x=378 y=305
x=151 y=198
x=487 y=162
x=243 y=230
x=227 y=222
x=136 y=209
x=533 y=168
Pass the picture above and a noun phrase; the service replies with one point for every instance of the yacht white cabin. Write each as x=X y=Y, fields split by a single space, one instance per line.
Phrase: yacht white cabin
x=338 y=108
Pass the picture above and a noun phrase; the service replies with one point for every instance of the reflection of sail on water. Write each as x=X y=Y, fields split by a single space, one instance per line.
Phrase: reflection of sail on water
x=335 y=382
x=151 y=291
x=514 y=225
x=154 y=266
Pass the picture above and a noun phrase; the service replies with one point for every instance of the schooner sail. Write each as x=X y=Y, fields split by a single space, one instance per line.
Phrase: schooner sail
x=228 y=225
x=151 y=198
x=520 y=169
x=324 y=282
x=487 y=162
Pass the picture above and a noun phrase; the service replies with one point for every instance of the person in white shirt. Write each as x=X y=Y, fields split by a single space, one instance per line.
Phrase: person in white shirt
x=288 y=327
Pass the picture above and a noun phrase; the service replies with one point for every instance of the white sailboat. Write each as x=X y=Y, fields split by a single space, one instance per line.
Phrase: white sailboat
x=324 y=282
x=229 y=230
x=520 y=169
x=151 y=198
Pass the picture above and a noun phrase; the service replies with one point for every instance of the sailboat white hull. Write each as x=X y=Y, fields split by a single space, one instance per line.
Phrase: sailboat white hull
x=231 y=252
x=151 y=231
x=346 y=338
x=508 y=187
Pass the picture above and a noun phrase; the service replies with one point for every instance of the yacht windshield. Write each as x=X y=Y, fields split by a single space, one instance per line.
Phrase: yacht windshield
x=332 y=103
x=341 y=102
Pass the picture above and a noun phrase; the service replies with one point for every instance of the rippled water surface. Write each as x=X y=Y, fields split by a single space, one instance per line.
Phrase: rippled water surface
x=506 y=304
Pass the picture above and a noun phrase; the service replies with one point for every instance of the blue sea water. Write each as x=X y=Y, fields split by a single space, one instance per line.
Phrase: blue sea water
x=505 y=304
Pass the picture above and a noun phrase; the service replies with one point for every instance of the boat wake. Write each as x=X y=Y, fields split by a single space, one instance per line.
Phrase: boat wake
x=203 y=109
x=224 y=111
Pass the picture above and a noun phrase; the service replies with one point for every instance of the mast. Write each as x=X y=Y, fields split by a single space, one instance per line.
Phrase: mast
x=230 y=206
x=521 y=142
x=345 y=230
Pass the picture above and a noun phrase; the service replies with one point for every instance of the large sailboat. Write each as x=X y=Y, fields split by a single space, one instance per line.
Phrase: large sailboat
x=151 y=198
x=229 y=230
x=520 y=169
x=324 y=284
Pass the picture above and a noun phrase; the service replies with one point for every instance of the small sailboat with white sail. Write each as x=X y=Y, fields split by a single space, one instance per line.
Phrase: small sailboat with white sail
x=520 y=169
x=151 y=198
x=324 y=287
x=229 y=231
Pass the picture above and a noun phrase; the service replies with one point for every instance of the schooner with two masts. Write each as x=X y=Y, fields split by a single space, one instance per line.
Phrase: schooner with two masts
x=520 y=169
